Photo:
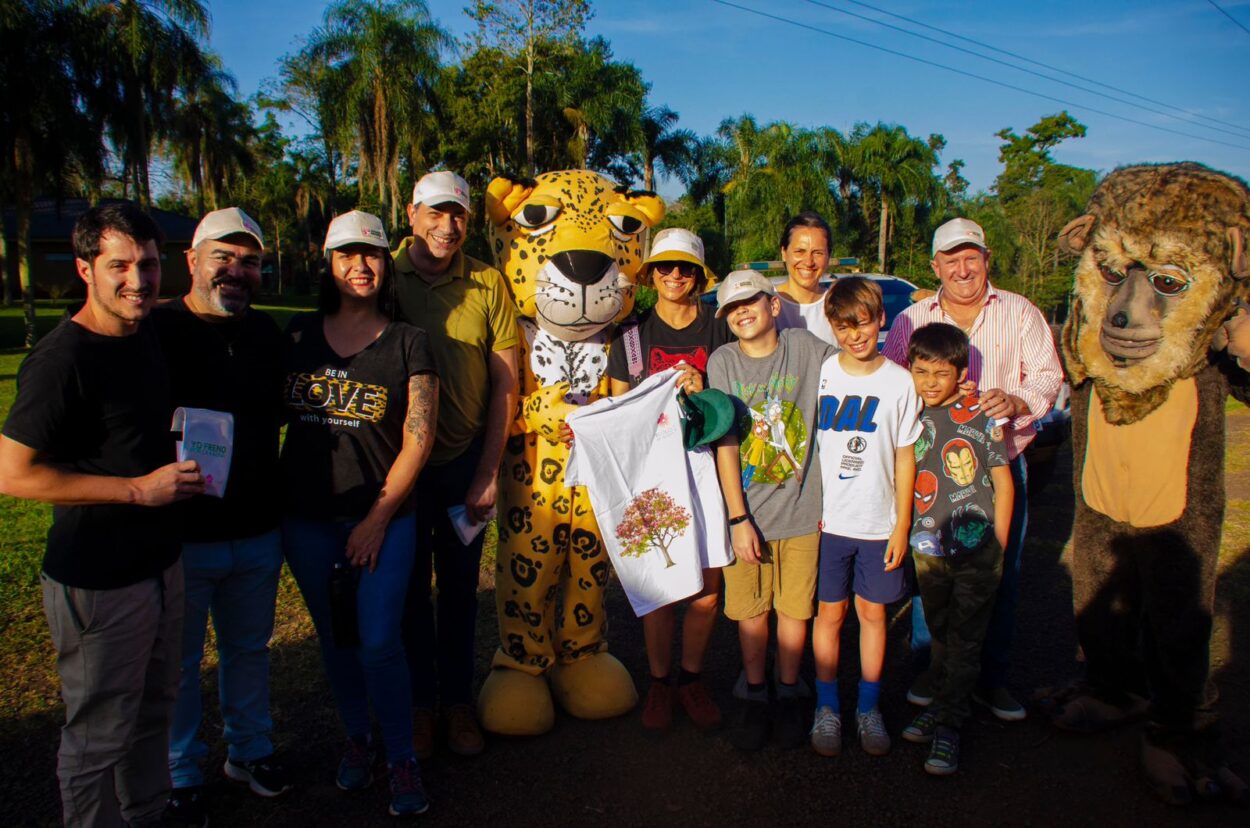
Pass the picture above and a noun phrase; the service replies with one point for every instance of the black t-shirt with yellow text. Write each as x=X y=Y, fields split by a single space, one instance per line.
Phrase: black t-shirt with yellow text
x=345 y=417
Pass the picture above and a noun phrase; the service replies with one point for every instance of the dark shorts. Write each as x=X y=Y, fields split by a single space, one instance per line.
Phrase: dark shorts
x=855 y=565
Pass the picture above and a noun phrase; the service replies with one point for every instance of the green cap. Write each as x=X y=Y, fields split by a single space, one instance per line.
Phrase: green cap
x=709 y=416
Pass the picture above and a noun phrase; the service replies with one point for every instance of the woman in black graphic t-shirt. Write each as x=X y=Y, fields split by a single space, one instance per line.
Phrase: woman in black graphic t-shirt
x=682 y=329
x=361 y=397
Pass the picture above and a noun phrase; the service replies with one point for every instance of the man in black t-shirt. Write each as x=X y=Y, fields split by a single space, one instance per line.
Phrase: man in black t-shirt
x=89 y=433
x=224 y=356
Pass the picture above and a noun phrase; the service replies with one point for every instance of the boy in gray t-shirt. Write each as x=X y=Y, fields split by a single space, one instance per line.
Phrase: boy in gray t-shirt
x=772 y=491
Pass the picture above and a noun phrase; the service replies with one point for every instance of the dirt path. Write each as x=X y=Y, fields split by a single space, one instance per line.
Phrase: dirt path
x=609 y=773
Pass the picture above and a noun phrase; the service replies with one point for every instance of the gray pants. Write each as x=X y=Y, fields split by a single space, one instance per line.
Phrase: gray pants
x=118 y=658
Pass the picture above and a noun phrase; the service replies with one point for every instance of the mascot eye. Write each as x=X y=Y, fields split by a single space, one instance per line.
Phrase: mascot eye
x=624 y=226
x=1168 y=284
x=536 y=215
x=1111 y=277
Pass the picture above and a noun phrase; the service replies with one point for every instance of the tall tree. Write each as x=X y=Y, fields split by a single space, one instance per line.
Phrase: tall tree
x=899 y=168
x=210 y=138
x=49 y=141
x=519 y=28
x=663 y=146
x=386 y=56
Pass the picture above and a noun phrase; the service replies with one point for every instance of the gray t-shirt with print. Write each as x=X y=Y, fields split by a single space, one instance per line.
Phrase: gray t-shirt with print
x=776 y=428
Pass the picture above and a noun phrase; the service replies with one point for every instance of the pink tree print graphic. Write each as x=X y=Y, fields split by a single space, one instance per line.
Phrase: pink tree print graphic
x=652 y=520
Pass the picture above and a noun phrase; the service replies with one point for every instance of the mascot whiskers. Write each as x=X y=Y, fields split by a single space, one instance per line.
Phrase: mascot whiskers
x=569 y=245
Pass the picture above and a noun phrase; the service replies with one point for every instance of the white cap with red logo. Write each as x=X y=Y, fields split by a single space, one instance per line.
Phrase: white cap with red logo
x=230 y=221
x=956 y=232
x=355 y=227
x=440 y=188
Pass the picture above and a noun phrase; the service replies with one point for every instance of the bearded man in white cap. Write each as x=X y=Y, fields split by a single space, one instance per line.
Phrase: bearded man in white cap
x=1013 y=363
x=464 y=307
x=225 y=356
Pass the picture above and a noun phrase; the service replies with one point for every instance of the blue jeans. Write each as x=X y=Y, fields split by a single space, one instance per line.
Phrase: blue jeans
x=375 y=671
x=996 y=649
x=440 y=657
x=237 y=581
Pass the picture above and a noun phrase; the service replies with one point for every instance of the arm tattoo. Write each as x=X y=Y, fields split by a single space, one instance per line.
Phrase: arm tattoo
x=422 y=407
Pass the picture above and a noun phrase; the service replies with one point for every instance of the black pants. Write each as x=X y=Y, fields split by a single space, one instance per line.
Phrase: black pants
x=440 y=655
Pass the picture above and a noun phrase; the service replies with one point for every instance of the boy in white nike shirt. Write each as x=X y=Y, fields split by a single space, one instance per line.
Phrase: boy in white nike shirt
x=868 y=419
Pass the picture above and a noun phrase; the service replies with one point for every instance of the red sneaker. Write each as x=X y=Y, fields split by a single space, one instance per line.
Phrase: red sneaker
x=699 y=705
x=657 y=711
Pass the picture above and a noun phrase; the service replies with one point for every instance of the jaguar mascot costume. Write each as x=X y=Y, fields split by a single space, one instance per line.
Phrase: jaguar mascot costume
x=1154 y=345
x=569 y=245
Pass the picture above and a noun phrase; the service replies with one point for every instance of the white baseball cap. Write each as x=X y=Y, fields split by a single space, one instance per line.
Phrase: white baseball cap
x=677 y=244
x=440 y=188
x=228 y=222
x=739 y=285
x=355 y=227
x=956 y=232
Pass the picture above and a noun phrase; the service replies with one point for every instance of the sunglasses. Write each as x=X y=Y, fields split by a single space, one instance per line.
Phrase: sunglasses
x=684 y=269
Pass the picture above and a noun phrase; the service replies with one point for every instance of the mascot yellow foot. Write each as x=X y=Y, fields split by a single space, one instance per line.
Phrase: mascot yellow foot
x=595 y=687
x=513 y=703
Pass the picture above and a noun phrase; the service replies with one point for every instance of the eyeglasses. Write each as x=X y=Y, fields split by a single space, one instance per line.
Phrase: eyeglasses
x=1166 y=283
x=684 y=269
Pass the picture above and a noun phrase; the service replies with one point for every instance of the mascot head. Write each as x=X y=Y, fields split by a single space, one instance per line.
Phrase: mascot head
x=1163 y=263
x=569 y=245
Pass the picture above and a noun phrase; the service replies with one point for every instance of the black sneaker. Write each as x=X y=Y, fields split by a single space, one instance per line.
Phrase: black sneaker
x=264 y=776
x=185 y=808
x=751 y=725
x=791 y=730
x=944 y=752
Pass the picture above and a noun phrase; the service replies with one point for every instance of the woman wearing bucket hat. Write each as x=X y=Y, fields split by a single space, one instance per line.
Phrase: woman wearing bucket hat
x=806 y=244
x=362 y=396
x=679 y=329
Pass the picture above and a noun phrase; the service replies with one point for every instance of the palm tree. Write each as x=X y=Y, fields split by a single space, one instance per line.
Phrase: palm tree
x=386 y=56
x=663 y=146
x=210 y=139
x=898 y=168
x=150 y=54
x=602 y=100
x=49 y=141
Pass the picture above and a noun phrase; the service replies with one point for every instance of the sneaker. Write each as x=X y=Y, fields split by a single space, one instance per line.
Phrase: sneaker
x=185 y=808
x=872 y=735
x=407 y=793
x=1001 y=703
x=657 y=710
x=464 y=736
x=944 y=752
x=826 y=734
x=264 y=776
x=921 y=691
x=423 y=732
x=356 y=767
x=752 y=723
x=791 y=729
x=699 y=705
x=921 y=728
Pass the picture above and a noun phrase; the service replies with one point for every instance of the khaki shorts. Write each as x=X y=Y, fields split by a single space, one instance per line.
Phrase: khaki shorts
x=786 y=581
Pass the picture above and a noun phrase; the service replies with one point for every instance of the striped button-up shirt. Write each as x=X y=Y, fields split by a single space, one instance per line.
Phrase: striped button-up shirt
x=1012 y=349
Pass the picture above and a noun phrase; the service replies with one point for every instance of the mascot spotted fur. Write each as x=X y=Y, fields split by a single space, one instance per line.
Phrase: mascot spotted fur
x=569 y=246
x=1152 y=350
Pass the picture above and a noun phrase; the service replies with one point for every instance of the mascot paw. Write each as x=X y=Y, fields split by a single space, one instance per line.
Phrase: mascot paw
x=595 y=687
x=1077 y=709
x=1180 y=771
x=513 y=703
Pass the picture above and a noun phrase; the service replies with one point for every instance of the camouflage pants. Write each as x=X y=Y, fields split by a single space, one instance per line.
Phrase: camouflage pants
x=958 y=594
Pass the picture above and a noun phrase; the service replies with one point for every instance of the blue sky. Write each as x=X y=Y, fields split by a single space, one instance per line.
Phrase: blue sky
x=709 y=62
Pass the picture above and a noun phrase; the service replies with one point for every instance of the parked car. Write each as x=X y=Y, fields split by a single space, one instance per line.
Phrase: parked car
x=895 y=291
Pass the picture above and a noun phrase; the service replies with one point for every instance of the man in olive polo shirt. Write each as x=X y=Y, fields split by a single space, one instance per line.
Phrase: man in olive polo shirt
x=465 y=309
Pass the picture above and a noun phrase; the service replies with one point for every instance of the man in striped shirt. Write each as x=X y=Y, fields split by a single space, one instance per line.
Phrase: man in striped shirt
x=1017 y=374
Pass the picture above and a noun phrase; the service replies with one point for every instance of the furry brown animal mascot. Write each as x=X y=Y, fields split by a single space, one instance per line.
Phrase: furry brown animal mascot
x=1151 y=359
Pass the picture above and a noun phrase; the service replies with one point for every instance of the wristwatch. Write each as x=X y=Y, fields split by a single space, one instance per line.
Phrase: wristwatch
x=742 y=518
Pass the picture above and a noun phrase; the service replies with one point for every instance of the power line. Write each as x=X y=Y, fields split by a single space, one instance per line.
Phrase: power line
x=1062 y=71
x=1242 y=134
x=974 y=75
x=1229 y=16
